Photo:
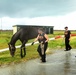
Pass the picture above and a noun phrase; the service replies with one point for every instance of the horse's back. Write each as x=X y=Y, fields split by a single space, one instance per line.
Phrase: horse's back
x=28 y=32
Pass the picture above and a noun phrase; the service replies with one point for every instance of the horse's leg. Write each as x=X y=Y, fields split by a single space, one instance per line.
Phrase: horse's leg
x=24 y=51
x=23 y=48
x=21 y=53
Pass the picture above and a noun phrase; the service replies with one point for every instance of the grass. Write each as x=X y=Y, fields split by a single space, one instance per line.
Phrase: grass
x=5 y=57
x=5 y=37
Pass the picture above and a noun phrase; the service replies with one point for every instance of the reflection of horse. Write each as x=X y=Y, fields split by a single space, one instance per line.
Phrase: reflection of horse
x=23 y=35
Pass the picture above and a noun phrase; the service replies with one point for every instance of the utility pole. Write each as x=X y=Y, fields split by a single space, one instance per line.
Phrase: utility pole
x=1 y=25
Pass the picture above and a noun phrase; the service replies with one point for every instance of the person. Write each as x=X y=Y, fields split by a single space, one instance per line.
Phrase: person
x=43 y=44
x=67 y=35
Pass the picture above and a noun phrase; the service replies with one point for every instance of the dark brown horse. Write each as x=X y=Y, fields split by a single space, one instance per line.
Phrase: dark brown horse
x=23 y=35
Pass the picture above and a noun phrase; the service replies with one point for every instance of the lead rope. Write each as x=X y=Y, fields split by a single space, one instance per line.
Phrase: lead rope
x=42 y=48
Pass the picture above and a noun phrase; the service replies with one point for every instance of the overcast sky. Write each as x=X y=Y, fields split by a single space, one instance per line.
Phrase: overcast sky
x=57 y=13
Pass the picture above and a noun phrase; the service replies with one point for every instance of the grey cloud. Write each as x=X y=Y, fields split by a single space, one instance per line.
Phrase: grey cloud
x=34 y=8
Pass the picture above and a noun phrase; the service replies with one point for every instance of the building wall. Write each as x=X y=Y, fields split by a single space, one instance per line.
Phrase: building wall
x=48 y=29
x=14 y=29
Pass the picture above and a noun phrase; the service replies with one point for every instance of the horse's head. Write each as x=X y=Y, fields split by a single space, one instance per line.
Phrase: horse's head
x=12 y=49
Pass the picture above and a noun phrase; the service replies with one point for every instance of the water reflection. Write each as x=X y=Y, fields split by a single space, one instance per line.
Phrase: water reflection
x=67 y=65
x=42 y=70
x=17 y=70
x=28 y=69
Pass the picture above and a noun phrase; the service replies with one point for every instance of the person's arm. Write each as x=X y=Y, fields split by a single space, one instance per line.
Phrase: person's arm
x=35 y=40
x=46 y=36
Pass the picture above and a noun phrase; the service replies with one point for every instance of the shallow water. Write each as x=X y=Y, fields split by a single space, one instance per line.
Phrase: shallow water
x=60 y=63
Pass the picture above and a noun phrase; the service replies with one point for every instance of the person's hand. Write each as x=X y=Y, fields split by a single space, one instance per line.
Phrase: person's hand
x=43 y=42
x=32 y=43
x=69 y=39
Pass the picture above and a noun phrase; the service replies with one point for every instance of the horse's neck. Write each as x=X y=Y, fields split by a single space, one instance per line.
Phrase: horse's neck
x=13 y=40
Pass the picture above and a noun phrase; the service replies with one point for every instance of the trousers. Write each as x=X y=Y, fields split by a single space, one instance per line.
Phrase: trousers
x=43 y=56
x=67 y=45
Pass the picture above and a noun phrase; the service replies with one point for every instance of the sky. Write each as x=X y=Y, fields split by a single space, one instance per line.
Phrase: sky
x=57 y=13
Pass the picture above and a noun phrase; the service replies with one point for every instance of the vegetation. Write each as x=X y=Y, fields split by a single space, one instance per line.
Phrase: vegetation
x=5 y=57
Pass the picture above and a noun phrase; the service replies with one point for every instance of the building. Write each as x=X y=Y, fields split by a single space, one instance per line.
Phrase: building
x=48 y=29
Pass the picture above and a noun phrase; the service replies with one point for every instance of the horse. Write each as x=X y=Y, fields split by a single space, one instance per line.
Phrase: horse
x=23 y=34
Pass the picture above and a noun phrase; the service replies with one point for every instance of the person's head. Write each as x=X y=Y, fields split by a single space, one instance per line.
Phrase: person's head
x=40 y=31
x=66 y=28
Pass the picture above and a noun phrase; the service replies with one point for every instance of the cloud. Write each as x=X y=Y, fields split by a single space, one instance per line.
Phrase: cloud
x=57 y=13
x=35 y=8
x=59 y=22
x=8 y=22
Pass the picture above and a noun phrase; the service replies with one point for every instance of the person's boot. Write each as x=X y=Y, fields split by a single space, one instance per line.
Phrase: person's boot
x=65 y=50
x=69 y=49
x=43 y=59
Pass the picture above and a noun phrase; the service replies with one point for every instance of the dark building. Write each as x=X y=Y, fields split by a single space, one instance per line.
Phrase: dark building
x=48 y=29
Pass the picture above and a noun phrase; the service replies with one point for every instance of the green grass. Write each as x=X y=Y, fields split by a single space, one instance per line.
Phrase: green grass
x=73 y=42
x=5 y=37
x=59 y=44
x=61 y=32
x=55 y=43
x=5 y=57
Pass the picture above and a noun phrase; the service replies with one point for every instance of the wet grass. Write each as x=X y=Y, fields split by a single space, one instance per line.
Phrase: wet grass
x=53 y=44
x=5 y=57
x=60 y=44
x=5 y=36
